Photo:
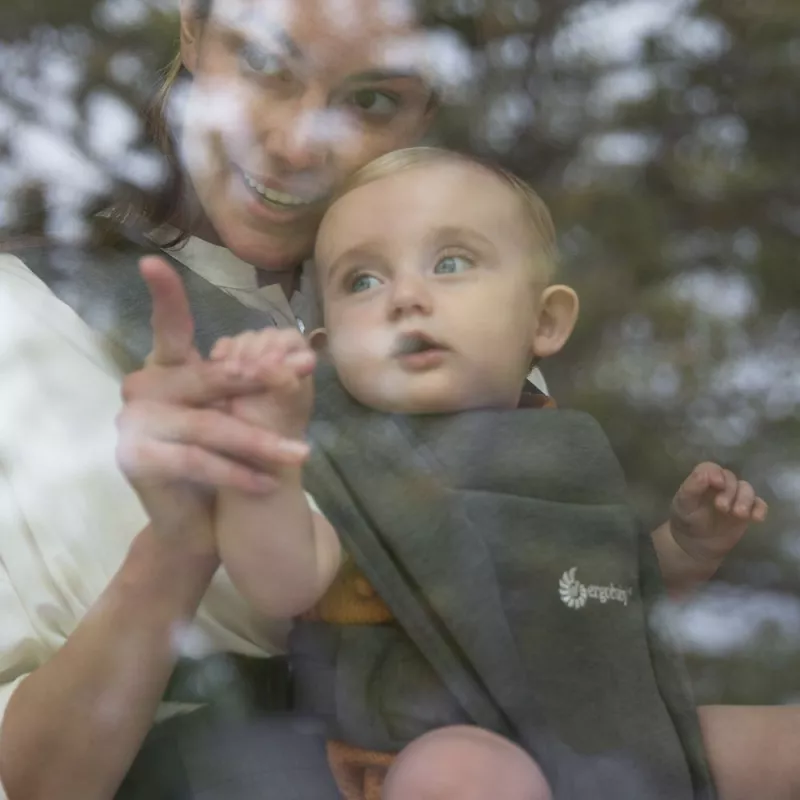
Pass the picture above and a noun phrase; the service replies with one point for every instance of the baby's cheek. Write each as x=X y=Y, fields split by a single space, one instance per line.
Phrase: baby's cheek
x=360 y=375
x=351 y=371
x=359 y=344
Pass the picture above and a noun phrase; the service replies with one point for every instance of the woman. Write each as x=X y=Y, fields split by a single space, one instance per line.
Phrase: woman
x=95 y=603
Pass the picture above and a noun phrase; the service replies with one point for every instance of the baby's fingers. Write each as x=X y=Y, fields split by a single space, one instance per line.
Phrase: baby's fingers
x=760 y=510
x=747 y=505
x=286 y=347
x=263 y=354
x=222 y=349
x=742 y=505
x=245 y=349
x=725 y=498
x=302 y=361
x=283 y=371
x=715 y=476
x=703 y=477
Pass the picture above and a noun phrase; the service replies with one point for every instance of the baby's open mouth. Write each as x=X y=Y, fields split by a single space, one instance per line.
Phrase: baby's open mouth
x=415 y=343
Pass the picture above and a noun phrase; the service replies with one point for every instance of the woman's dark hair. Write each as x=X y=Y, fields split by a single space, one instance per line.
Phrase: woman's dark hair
x=152 y=210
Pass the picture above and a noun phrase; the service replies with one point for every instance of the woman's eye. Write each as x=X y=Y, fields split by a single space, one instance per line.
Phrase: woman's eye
x=263 y=62
x=375 y=103
x=452 y=265
x=362 y=283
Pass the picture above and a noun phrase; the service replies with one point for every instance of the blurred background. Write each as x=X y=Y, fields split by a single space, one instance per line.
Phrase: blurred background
x=664 y=134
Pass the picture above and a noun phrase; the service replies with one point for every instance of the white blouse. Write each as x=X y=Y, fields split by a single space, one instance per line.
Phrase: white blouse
x=67 y=514
x=240 y=280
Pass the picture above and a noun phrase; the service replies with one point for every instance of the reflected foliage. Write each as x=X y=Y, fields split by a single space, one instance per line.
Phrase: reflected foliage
x=664 y=135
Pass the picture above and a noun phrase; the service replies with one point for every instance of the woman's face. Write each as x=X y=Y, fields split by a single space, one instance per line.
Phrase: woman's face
x=288 y=98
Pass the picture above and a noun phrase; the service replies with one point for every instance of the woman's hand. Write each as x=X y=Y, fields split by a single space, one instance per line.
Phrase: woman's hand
x=175 y=443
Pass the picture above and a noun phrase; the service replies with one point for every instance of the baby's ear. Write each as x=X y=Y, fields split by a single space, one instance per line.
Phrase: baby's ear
x=558 y=313
x=318 y=340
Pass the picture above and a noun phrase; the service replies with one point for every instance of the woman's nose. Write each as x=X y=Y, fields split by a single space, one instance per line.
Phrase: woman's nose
x=298 y=133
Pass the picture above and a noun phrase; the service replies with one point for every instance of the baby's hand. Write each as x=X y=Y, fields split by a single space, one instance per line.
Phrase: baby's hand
x=711 y=512
x=283 y=361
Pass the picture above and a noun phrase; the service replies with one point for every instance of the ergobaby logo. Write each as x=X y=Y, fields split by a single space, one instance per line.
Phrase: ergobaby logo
x=576 y=595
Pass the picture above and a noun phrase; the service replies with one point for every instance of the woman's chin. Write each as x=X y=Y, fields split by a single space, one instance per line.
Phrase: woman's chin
x=276 y=245
x=266 y=251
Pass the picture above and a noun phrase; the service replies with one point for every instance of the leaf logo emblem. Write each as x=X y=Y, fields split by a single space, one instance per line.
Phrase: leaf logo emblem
x=572 y=591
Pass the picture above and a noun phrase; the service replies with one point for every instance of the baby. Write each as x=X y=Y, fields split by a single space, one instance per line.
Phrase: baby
x=436 y=276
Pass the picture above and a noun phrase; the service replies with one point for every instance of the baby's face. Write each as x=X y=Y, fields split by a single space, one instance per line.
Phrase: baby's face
x=430 y=291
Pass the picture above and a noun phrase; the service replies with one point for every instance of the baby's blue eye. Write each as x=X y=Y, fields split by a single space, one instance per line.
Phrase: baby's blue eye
x=362 y=283
x=452 y=265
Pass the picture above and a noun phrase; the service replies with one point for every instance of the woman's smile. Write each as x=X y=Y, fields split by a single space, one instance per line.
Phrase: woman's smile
x=272 y=204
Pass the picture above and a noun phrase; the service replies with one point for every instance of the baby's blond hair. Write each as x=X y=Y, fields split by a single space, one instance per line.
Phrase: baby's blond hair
x=538 y=215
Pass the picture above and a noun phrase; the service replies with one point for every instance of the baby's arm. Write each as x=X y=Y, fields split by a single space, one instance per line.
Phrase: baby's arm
x=752 y=750
x=709 y=515
x=281 y=553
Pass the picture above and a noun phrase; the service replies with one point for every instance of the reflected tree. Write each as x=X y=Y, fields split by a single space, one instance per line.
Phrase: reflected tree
x=663 y=133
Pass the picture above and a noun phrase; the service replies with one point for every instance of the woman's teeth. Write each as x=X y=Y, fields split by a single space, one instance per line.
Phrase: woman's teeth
x=273 y=197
